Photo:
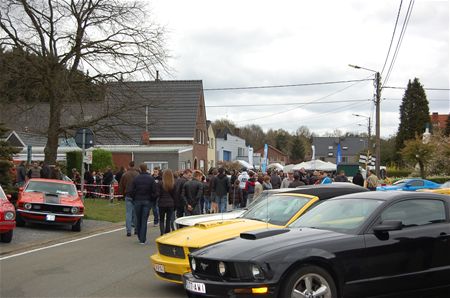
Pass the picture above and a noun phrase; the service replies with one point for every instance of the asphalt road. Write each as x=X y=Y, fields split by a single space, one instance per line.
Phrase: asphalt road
x=97 y=265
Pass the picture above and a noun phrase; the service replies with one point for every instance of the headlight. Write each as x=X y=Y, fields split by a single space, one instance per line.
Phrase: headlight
x=222 y=268
x=9 y=215
x=27 y=206
x=257 y=272
x=193 y=264
x=74 y=210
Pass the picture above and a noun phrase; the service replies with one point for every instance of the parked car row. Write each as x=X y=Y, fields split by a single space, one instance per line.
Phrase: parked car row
x=335 y=240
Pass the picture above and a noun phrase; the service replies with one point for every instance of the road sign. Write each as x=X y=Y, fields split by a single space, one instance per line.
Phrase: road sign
x=88 y=157
x=89 y=138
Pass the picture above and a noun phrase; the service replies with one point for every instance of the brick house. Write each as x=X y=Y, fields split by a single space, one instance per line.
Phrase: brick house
x=274 y=155
x=438 y=121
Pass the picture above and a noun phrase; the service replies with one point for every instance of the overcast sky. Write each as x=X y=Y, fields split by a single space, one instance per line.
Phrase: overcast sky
x=257 y=43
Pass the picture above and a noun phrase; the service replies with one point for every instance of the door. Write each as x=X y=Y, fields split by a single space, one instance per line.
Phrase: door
x=415 y=257
x=226 y=155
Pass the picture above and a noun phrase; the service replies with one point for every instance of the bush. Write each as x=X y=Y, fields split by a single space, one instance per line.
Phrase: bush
x=73 y=159
x=392 y=172
x=440 y=179
x=101 y=159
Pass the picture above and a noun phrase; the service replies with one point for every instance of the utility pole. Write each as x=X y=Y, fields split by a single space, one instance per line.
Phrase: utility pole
x=377 y=124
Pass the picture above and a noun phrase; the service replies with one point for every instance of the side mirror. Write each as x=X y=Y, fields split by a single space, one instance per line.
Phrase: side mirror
x=388 y=225
x=8 y=196
x=21 y=189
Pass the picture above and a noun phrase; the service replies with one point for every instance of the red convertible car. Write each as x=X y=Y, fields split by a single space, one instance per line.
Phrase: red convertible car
x=50 y=201
x=7 y=218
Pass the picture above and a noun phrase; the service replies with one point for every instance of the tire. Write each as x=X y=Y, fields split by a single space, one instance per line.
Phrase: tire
x=321 y=284
x=77 y=227
x=6 y=237
x=19 y=220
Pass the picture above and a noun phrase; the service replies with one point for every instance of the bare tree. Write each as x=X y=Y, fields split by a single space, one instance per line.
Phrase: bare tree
x=111 y=40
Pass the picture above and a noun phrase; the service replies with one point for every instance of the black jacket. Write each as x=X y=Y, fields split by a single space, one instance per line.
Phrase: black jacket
x=220 y=185
x=143 y=188
x=193 y=192
x=358 y=179
x=275 y=180
x=180 y=200
x=295 y=183
x=165 y=199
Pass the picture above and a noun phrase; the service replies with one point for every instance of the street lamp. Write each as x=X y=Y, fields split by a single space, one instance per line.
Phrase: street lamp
x=377 y=84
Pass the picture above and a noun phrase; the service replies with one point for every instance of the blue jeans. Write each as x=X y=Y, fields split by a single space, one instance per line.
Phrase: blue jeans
x=155 y=213
x=142 y=209
x=222 y=203
x=206 y=204
x=130 y=214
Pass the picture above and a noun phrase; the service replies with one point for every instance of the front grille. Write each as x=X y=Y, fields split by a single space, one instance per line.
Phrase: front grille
x=208 y=269
x=170 y=276
x=52 y=208
x=171 y=251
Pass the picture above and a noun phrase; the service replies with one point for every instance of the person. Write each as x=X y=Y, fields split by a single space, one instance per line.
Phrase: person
x=143 y=194
x=220 y=187
x=166 y=202
x=206 y=203
x=325 y=179
x=35 y=171
x=76 y=178
x=372 y=181
x=56 y=173
x=243 y=178
x=125 y=189
x=297 y=181
x=179 y=194
x=358 y=179
x=108 y=178
x=46 y=171
x=89 y=180
x=235 y=195
x=315 y=178
x=212 y=177
x=157 y=175
x=275 y=180
x=341 y=177
x=250 y=187
x=266 y=183
x=233 y=177
x=193 y=192
x=258 y=185
x=21 y=174
x=119 y=174
x=286 y=181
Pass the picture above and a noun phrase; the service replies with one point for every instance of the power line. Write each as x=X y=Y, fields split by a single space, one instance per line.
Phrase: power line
x=284 y=86
x=430 y=89
x=393 y=35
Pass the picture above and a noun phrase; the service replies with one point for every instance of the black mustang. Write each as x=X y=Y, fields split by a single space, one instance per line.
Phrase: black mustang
x=359 y=245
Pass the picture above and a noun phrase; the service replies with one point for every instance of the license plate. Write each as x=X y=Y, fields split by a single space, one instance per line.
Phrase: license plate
x=196 y=287
x=50 y=217
x=159 y=268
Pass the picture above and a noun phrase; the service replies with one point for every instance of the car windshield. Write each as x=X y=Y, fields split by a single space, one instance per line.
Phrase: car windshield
x=446 y=185
x=344 y=215
x=276 y=209
x=2 y=195
x=52 y=188
x=261 y=197
x=399 y=182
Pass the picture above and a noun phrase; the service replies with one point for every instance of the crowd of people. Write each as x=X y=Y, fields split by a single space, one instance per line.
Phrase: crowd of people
x=37 y=170
x=170 y=194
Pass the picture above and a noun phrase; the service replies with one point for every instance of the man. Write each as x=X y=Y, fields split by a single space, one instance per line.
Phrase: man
x=35 y=171
x=179 y=195
x=286 y=181
x=341 y=177
x=220 y=186
x=358 y=179
x=143 y=192
x=275 y=180
x=325 y=179
x=193 y=192
x=125 y=189
x=157 y=175
x=372 y=181
x=243 y=178
x=21 y=173
x=45 y=171
x=250 y=187
x=297 y=181
x=108 y=178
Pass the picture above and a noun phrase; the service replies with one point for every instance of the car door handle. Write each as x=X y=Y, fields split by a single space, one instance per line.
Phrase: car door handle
x=443 y=236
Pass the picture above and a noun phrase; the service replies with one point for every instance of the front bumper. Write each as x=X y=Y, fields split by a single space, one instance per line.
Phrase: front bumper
x=49 y=218
x=172 y=269
x=229 y=289
x=6 y=226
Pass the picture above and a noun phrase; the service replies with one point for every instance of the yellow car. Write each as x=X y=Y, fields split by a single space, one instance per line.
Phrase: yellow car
x=276 y=210
x=443 y=189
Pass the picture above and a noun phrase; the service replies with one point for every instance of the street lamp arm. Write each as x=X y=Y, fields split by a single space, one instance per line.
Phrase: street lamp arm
x=359 y=67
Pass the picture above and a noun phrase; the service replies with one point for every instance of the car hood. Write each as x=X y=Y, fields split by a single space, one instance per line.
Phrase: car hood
x=194 y=219
x=6 y=206
x=41 y=198
x=210 y=232
x=445 y=191
x=240 y=249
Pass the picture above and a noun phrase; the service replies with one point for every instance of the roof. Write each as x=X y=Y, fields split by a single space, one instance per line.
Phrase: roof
x=22 y=139
x=395 y=194
x=273 y=148
x=51 y=181
x=354 y=145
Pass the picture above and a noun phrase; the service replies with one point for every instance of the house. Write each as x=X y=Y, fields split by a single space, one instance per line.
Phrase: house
x=438 y=121
x=211 y=145
x=351 y=147
x=230 y=147
x=160 y=123
x=274 y=155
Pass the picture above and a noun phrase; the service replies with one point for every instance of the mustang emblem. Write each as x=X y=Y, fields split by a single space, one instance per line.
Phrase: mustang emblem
x=174 y=251
x=204 y=266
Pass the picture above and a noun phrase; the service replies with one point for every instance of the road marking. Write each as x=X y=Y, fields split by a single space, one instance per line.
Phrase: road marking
x=59 y=244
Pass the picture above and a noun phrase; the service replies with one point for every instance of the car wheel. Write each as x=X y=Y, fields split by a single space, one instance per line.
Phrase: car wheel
x=19 y=220
x=6 y=237
x=309 y=281
x=77 y=227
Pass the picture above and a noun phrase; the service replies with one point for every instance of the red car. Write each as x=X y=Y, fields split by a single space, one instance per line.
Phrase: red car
x=50 y=201
x=7 y=218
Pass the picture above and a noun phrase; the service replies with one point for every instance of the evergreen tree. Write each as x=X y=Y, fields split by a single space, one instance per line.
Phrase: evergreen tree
x=6 y=156
x=414 y=114
x=297 y=150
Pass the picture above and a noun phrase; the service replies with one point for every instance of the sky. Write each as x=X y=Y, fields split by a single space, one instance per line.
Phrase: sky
x=265 y=43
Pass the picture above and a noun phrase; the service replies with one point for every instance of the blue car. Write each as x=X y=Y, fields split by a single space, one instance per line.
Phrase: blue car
x=412 y=184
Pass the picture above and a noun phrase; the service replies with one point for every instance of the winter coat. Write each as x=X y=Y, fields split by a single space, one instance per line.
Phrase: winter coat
x=126 y=181
x=143 y=188
x=220 y=185
x=193 y=192
x=165 y=198
x=358 y=179
x=235 y=195
x=296 y=183
x=275 y=180
x=340 y=178
x=34 y=173
x=258 y=189
x=108 y=178
x=180 y=199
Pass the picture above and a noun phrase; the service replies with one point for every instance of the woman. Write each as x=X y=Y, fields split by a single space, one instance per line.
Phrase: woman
x=266 y=183
x=166 y=201
x=235 y=195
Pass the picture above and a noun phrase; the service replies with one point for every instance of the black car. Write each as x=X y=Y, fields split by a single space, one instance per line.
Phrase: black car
x=360 y=245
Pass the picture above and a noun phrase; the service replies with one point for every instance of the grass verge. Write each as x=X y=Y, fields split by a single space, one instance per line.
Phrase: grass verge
x=99 y=209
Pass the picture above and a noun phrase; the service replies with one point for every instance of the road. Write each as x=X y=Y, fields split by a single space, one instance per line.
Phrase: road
x=106 y=264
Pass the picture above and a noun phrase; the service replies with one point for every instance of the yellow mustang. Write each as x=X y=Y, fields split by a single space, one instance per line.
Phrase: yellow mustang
x=276 y=211
x=443 y=189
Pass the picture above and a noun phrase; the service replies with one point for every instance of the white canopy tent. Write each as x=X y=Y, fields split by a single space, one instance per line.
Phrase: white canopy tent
x=288 y=168
x=315 y=165
x=275 y=165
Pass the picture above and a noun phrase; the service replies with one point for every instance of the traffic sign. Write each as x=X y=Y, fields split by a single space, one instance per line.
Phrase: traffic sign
x=88 y=139
x=88 y=157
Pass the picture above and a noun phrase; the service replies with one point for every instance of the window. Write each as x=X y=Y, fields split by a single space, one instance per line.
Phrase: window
x=416 y=212
x=416 y=183
x=330 y=153
x=330 y=147
x=345 y=148
x=202 y=164
x=161 y=164
x=241 y=151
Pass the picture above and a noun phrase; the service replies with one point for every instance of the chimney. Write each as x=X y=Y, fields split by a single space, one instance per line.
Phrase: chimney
x=157 y=76
x=145 y=138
